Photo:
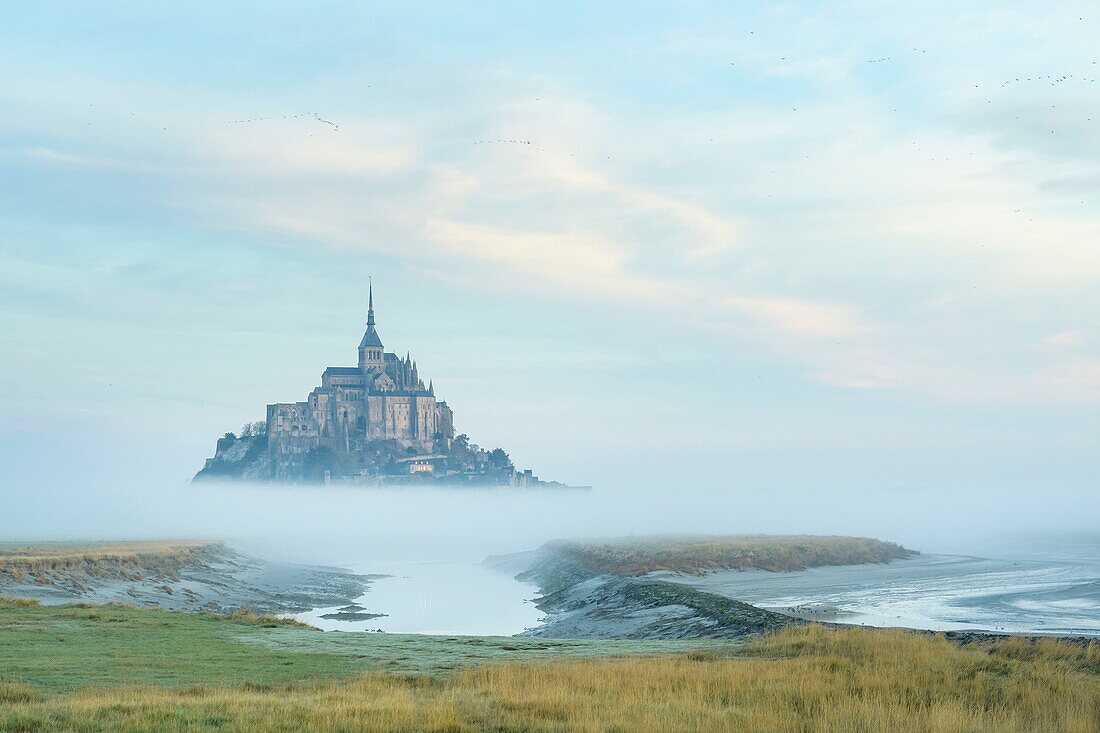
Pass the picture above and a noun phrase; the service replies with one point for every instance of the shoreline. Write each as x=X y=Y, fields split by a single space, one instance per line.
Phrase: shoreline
x=196 y=576
x=578 y=601
x=932 y=592
x=574 y=602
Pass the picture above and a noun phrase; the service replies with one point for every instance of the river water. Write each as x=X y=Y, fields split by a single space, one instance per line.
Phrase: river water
x=442 y=597
x=1039 y=587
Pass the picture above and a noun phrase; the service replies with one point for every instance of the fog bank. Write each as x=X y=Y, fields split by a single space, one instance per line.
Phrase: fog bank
x=348 y=524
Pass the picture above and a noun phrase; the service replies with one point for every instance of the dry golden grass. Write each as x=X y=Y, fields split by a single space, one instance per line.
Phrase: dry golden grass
x=804 y=679
x=40 y=562
x=634 y=556
x=68 y=551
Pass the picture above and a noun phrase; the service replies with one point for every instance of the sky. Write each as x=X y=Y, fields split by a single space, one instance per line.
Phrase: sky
x=652 y=247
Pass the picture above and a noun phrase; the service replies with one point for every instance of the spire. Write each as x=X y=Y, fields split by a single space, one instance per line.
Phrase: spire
x=370 y=302
x=431 y=388
x=370 y=338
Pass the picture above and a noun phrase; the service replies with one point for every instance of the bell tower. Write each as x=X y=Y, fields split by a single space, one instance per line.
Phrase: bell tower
x=371 y=351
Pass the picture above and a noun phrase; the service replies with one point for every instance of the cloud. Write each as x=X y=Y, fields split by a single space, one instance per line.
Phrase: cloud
x=577 y=260
x=1075 y=381
x=566 y=223
x=306 y=147
x=799 y=199
x=800 y=317
x=705 y=231
x=1065 y=339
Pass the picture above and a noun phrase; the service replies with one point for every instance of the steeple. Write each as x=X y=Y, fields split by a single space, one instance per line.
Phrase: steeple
x=370 y=302
x=371 y=351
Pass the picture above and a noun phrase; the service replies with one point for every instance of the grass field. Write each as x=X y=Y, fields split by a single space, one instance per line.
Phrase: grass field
x=633 y=556
x=116 y=668
x=62 y=648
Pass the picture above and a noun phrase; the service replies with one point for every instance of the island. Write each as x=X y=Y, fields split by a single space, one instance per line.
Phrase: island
x=375 y=423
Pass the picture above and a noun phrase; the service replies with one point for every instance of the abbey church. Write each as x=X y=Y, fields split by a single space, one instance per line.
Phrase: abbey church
x=373 y=424
x=383 y=398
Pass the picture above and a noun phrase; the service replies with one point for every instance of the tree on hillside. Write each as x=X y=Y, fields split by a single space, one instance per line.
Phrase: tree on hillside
x=499 y=459
x=460 y=456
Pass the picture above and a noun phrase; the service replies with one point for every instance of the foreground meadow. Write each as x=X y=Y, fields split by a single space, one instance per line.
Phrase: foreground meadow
x=114 y=668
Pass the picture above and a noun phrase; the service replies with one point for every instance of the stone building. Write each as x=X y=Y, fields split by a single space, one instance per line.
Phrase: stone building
x=383 y=398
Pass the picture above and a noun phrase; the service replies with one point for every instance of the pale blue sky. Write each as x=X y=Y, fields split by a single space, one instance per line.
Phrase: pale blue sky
x=821 y=245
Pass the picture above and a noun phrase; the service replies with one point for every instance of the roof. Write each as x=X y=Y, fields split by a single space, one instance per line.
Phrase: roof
x=370 y=338
x=421 y=457
x=344 y=371
x=375 y=392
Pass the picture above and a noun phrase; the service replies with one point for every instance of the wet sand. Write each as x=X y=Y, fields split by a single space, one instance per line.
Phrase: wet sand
x=938 y=592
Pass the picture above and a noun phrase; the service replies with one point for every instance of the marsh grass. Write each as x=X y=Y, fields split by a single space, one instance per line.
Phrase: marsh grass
x=801 y=679
x=265 y=620
x=697 y=554
x=49 y=562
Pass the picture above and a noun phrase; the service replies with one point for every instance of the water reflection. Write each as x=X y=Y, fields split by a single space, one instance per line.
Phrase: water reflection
x=445 y=597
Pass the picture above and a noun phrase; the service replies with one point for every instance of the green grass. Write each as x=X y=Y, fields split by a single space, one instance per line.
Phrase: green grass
x=807 y=679
x=62 y=648
x=117 y=668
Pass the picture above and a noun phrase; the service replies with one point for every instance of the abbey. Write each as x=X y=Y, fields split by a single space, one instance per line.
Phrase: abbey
x=383 y=398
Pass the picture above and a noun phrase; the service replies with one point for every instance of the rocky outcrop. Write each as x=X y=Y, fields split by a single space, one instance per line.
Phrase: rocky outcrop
x=580 y=604
x=610 y=607
x=244 y=458
x=607 y=588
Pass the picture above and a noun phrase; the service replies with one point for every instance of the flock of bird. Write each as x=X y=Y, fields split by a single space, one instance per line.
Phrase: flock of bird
x=311 y=115
x=501 y=140
x=314 y=115
x=1052 y=80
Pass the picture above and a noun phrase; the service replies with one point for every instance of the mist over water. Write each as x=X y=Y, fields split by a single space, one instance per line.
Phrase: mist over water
x=315 y=523
x=1042 y=576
